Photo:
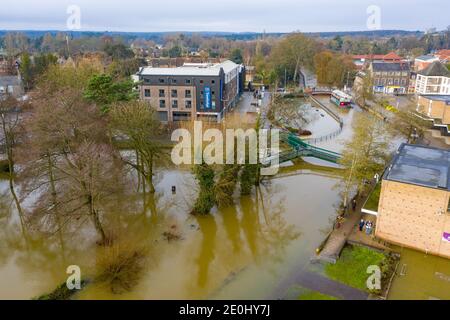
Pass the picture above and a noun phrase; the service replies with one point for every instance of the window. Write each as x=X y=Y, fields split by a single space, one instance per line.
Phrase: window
x=162 y=93
x=162 y=103
x=174 y=103
x=162 y=115
x=173 y=81
x=187 y=81
x=187 y=94
x=213 y=81
x=201 y=81
x=146 y=80
x=160 y=80
x=147 y=93
x=188 y=104
x=174 y=93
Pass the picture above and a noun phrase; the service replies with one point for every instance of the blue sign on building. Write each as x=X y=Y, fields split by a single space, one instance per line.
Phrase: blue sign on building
x=207 y=96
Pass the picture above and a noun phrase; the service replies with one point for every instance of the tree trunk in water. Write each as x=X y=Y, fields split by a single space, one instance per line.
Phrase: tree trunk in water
x=9 y=155
x=97 y=223
x=55 y=203
x=150 y=174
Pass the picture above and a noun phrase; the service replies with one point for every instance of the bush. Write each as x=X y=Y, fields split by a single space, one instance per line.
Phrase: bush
x=120 y=267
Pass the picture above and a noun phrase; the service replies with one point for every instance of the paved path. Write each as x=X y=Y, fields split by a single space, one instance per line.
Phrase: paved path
x=317 y=282
x=338 y=238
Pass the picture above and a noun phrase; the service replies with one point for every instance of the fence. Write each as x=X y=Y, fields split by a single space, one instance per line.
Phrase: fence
x=335 y=116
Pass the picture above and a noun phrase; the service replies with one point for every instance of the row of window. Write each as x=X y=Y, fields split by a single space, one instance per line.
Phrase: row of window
x=391 y=73
x=187 y=104
x=382 y=82
x=174 y=81
x=173 y=94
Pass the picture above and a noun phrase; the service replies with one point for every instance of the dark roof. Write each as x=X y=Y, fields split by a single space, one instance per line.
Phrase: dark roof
x=420 y=165
x=436 y=69
x=390 y=66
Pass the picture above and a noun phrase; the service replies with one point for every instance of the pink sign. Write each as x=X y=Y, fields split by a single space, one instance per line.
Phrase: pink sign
x=446 y=237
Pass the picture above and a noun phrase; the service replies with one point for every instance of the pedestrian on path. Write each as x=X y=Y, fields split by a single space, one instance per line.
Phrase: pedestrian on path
x=354 y=205
x=361 y=225
x=368 y=228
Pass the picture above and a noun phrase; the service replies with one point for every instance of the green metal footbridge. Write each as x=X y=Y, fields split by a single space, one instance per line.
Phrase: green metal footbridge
x=300 y=148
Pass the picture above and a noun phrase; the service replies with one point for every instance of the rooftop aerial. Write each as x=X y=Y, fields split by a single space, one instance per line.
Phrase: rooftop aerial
x=420 y=165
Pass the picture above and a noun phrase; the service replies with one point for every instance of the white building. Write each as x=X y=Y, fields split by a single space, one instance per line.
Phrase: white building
x=434 y=80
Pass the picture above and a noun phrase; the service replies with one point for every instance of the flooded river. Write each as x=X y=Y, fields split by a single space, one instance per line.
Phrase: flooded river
x=241 y=252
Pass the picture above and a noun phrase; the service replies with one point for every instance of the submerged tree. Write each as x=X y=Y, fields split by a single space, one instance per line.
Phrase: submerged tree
x=226 y=185
x=65 y=156
x=136 y=122
x=204 y=174
x=9 y=125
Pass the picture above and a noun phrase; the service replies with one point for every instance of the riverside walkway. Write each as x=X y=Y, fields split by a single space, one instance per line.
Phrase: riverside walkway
x=339 y=236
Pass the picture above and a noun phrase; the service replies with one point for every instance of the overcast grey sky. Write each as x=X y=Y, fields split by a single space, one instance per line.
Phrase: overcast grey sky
x=224 y=15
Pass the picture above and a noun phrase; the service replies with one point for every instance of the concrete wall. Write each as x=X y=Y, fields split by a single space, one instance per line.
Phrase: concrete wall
x=414 y=216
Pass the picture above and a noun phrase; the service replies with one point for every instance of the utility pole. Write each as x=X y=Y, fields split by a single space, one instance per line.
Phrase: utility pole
x=285 y=79
x=348 y=76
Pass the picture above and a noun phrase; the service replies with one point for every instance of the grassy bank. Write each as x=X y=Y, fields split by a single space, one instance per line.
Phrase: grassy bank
x=351 y=268
x=314 y=295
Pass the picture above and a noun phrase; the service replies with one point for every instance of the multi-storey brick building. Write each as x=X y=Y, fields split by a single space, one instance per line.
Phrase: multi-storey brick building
x=192 y=91
x=390 y=77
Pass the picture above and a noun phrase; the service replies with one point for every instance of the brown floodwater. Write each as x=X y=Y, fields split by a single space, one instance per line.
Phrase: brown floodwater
x=245 y=251
x=239 y=252
x=421 y=277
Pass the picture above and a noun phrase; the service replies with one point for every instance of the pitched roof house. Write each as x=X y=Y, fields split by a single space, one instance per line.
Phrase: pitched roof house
x=433 y=80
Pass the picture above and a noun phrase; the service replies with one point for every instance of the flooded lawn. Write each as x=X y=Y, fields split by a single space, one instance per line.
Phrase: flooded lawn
x=242 y=252
x=421 y=277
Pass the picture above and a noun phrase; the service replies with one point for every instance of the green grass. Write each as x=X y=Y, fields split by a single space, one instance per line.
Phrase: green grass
x=374 y=198
x=314 y=295
x=351 y=268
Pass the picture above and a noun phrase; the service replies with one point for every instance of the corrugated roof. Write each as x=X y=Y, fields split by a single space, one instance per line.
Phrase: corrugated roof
x=420 y=165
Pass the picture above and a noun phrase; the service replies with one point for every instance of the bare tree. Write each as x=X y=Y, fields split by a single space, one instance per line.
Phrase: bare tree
x=136 y=122
x=9 y=125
